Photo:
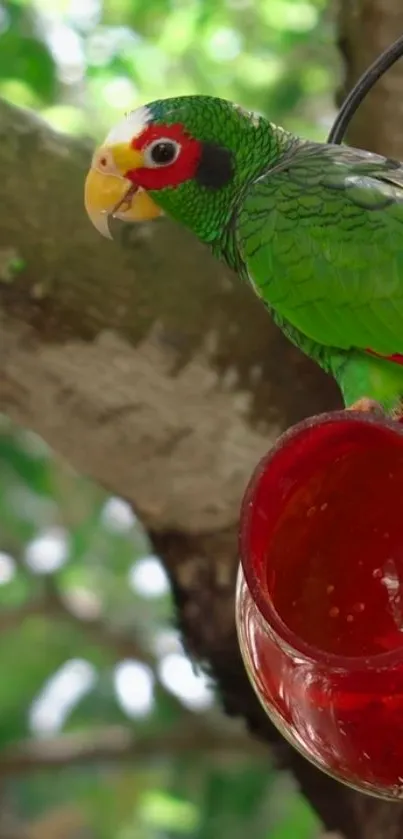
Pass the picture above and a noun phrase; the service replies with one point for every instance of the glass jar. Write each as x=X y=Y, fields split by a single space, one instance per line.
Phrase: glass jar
x=319 y=603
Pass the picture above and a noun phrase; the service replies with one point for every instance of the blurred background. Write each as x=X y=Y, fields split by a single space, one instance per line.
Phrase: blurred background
x=106 y=729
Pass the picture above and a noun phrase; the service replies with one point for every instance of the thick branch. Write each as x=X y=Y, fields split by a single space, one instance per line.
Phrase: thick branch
x=146 y=366
x=151 y=370
x=366 y=28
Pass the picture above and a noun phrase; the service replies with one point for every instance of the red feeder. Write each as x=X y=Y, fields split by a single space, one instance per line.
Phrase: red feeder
x=320 y=595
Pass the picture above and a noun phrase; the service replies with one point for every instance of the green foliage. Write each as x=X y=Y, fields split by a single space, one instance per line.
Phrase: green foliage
x=88 y=647
x=84 y=63
x=76 y=608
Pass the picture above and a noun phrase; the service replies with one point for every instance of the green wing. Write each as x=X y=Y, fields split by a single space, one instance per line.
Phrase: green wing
x=321 y=238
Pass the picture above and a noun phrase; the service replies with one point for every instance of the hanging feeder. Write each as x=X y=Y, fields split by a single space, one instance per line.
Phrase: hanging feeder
x=319 y=604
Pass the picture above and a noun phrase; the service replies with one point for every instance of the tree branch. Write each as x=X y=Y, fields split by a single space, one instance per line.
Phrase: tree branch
x=118 y=744
x=366 y=28
x=13 y=618
x=146 y=365
x=52 y=605
x=155 y=373
x=120 y=644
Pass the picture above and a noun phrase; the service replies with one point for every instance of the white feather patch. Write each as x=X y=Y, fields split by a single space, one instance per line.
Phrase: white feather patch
x=131 y=126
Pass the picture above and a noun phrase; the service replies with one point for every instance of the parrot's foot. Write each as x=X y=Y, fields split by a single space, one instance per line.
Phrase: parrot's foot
x=368 y=406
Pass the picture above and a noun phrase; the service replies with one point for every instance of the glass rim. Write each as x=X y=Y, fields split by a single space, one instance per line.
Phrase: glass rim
x=284 y=635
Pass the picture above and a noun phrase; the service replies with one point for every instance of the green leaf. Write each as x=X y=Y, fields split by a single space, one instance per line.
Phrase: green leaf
x=301 y=821
x=161 y=810
x=29 y=60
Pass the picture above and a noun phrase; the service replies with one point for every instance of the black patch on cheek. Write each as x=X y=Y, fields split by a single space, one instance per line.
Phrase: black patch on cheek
x=216 y=166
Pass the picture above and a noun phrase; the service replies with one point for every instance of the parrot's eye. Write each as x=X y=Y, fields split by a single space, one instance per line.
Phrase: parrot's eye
x=161 y=153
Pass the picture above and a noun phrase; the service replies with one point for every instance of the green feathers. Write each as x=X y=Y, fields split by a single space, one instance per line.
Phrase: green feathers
x=316 y=229
x=250 y=143
x=330 y=257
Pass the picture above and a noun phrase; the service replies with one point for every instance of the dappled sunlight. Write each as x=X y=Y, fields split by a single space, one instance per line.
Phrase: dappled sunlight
x=83 y=603
x=149 y=578
x=177 y=674
x=59 y=695
x=85 y=13
x=94 y=668
x=105 y=721
x=117 y=515
x=166 y=640
x=7 y=568
x=48 y=551
x=67 y=49
x=134 y=686
x=225 y=44
x=109 y=58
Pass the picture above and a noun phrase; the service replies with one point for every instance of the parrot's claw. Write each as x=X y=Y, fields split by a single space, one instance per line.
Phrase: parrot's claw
x=368 y=406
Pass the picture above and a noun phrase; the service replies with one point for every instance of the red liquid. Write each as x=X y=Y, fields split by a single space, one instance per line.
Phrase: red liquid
x=326 y=551
x=335 y=570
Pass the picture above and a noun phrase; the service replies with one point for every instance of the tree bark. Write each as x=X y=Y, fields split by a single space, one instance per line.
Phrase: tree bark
x=153 y=370
x=366 y=28
x=149 y=367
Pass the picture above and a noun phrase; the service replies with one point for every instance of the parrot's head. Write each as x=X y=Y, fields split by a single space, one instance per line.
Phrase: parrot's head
x=187 y=156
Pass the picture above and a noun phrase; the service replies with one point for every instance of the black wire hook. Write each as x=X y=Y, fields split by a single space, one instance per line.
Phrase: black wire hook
x=362 y=87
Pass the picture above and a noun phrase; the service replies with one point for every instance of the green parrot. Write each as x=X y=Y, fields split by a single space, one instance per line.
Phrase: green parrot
x=316 y=229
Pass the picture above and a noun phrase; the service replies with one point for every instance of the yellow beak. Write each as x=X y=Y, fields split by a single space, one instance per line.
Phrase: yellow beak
x=106 y=189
